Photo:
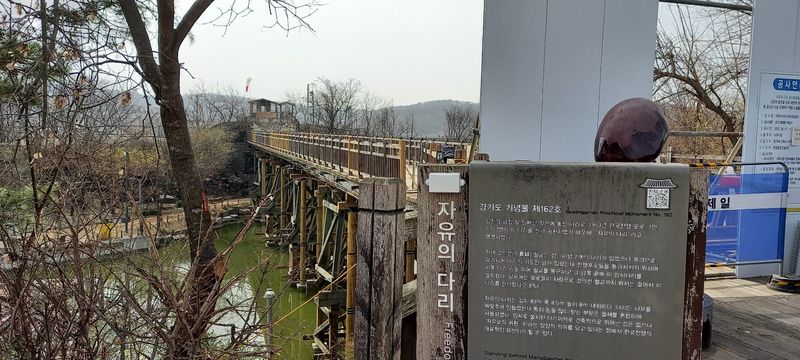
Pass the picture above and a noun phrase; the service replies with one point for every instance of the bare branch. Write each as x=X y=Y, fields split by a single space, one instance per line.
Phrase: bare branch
x=141 y=40
x=189 y=19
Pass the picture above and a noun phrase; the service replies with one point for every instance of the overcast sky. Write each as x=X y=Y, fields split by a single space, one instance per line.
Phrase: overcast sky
x=409 y=51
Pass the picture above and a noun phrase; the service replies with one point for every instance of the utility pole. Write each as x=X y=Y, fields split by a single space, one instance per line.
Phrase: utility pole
x=308 y=101
x=309 y=113
x=310 y=118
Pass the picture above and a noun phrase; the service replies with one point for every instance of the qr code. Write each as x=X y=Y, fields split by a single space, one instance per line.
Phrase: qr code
x=658 y=199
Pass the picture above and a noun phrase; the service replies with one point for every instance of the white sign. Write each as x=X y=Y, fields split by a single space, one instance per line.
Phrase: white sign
x=445 y=183
x=747 y=201
x=774 y=50
x=778 y=119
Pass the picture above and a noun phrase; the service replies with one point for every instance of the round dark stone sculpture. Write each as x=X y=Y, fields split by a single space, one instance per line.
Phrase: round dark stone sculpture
x=632 y=131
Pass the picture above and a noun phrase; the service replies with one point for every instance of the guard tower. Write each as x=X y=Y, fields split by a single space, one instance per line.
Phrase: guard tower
x=263 y=109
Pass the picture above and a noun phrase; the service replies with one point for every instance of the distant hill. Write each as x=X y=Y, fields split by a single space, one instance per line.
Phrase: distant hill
x=429 y=116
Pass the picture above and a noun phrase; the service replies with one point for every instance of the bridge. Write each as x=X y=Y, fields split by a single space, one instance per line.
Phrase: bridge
x=312 y=184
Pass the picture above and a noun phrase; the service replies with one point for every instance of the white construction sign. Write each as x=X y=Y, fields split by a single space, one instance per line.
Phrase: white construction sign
x=773 y=105
x=778 y=122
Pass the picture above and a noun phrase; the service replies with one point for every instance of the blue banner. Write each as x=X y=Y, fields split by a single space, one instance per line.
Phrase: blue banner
x=785 y=84
x=746 y=217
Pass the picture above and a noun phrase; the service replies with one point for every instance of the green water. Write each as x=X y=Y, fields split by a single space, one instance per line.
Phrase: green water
x=264 y=268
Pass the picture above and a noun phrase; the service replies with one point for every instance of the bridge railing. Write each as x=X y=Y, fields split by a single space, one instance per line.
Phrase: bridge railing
x=362 y=156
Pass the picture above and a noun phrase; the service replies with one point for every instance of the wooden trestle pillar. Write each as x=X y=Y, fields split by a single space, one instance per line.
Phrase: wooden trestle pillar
x=319 y=213
x=381 y=231
x=264 y=180
x=350 y=300
x=411 y=251
x=319 y=216
x=303 y=233
x=283 y=173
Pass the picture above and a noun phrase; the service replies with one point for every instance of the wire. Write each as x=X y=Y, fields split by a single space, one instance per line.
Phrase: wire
x=263 y=331
x=312 y=298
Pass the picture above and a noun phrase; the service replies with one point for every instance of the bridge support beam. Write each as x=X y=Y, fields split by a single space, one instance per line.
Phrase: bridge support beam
x=264 y=180
x=410 y=245
x=303 y=232
x=411 y=251
x=319 y=212
x=268 y=175
x=402 y=154
x=381 y=229
x=333 y=332
x=319 y=217
x=350 y=169
x=282 y=214
x=350 y=301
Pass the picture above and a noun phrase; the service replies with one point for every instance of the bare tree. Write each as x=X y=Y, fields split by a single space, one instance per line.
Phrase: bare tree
x=160 y=69
x=386 y=121
x=65 y=116
x=337 y=103
x=461 y=118
x=702 y=59
x=211 y=107
x=388 y=124
x=65 y=60
x=213 y=148
x=344 y=107
x=378 y=117
x=300 y=115
x=368 y=108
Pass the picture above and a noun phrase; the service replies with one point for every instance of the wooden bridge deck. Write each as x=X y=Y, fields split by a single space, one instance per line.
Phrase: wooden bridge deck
x=752 y=321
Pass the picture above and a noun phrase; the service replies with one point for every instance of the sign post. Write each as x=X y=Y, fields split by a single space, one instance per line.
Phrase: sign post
x=441 y=262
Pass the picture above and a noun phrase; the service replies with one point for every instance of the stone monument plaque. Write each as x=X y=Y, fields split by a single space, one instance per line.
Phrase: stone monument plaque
x=576 y=261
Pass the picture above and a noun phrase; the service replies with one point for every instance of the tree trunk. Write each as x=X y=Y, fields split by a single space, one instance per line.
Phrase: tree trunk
x=192 y=321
